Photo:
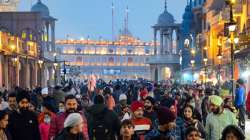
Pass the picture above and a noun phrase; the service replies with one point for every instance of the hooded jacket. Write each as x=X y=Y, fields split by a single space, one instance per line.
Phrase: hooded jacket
x=111 y=119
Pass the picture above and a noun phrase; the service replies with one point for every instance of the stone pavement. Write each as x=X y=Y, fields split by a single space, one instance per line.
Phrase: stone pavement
x=248 y=130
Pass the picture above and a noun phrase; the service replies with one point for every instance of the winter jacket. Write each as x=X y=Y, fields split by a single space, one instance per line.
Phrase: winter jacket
x=240 y=96
x=196 y=124
x=248 y=102
x=42 y=115
x=111 y=119
x=44 y=131
x=217 y=122
x=57 y=125
x=152 y=116
x=156 y=134
x=142 y=126
x=23 y=126
x=65 y=135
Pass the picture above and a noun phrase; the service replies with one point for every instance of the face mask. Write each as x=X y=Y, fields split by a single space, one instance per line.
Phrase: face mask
x=61 y=110
x=47 y=119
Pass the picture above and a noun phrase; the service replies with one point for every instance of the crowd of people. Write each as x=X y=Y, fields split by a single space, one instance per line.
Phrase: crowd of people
x=123 y=110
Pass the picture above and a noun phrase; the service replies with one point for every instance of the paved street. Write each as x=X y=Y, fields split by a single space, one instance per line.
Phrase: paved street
x=248 y=129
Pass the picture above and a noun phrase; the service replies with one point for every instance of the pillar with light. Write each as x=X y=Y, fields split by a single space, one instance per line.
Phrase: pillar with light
x=55 y=67
x=40 y=63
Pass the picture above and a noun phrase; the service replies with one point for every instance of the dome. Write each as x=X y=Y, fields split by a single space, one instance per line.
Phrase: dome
x=40 y=7
x=166 y=19
x=188 y=13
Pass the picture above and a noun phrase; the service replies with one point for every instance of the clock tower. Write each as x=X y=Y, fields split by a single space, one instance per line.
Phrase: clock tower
x=8 y=5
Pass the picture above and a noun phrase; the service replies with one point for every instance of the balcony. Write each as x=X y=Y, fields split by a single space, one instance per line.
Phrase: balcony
x=164 y=59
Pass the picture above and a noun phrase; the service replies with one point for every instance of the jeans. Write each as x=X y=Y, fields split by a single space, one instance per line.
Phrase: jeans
x=242 y=113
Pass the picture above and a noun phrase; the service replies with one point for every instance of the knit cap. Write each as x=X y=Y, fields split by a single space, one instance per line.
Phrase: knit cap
x=216 y=100
x=165 y=116
x=72 y=120
x=136 y=105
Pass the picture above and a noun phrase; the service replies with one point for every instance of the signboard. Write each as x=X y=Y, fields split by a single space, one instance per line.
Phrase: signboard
x=111 y=72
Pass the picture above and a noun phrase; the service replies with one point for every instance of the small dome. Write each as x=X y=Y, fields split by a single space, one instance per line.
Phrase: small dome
x=166 y=19
x=40 y=7
x=188 y=13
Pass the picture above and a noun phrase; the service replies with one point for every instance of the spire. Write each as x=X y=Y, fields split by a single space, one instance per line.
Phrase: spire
x=166 y=5
x=39 y=1
x=191 y=4
x=113 y=25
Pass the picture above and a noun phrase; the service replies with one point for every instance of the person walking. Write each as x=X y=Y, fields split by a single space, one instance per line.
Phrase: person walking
x=189 y=121
x=232 y=132
x=240 y=99
x=73 y=126
x=4 y=119
x=57 y=122
x=103 y=123
x=127 y=131
x=218 y=119
x=166 y=125
x=23 y=123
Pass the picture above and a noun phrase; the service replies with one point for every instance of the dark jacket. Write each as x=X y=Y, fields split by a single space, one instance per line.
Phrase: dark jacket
x=155 y=134
x=65 y=135
x=23 y=126
x=111 y=120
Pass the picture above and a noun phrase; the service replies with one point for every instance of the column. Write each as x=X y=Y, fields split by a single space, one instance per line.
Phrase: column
x=155 y=42
x=159 y=73
x=51 y=76
x=1 y=70
x=17 y=68
x=35 y=73
x=47 y=34
x=161 y=43
x=52 y=25
x=27 y=74
x=6 y=72
x=171 y=41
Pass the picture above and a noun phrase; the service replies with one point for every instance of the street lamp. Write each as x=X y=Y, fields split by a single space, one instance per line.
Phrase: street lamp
x=192 y=65
x=55 y=65
x=232 y=29
x=205 y=63
x=40 y=62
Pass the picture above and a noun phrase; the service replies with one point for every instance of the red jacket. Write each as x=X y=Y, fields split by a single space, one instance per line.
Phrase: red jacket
x=57 y=125
x=248 y=102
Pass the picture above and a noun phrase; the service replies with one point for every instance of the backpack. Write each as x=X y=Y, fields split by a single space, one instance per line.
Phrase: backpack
x=100 y=130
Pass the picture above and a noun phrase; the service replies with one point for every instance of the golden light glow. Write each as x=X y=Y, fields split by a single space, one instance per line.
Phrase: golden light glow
x=12 y=47
x=193 y=51
x=192 y=62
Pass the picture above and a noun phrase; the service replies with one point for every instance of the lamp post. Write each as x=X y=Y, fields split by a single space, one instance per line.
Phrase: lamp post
x=40 y=62
x=205 y=63
x=55 y=66
x=192 y=65
x=232 y=28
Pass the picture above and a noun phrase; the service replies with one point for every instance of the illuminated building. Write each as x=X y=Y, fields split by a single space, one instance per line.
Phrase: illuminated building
x=124 y=58
x=26 y=48
x=216 y=37
x=8 y=5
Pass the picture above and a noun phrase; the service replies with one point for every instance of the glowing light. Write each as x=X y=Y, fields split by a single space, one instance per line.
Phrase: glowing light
x=196 y=76
x=186 y=42
x=12 y=47
x=192 y=62
x=193 y=52
x=232 y=27
x=245 y=74
x=236 y=40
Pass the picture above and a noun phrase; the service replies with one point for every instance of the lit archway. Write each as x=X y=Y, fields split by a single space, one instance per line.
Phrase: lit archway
x=166 y=73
